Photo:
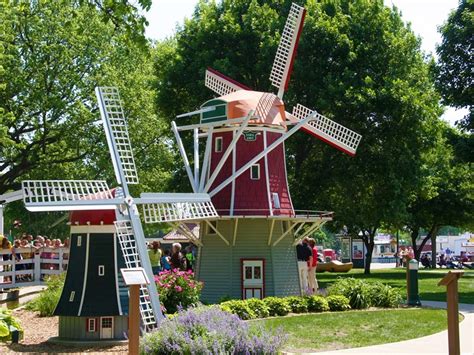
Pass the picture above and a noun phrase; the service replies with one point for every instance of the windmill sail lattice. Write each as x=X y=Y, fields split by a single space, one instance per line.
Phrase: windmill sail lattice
x=221 y=84
x=132 y=260
x=117 y=132
x=329 y=131
x=286 y=51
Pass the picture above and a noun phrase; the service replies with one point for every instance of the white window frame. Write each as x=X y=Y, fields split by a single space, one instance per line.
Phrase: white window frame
x=258 y=172
x=276 y=200
x=71 y=296
x=101 y=270
x=218 y=145
x=79 y=240
x=93 y=328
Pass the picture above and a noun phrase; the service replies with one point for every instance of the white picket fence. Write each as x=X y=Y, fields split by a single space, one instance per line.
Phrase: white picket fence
x=32 y=270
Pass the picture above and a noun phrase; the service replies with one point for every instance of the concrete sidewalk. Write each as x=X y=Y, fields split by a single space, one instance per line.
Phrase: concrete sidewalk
x=431 y=344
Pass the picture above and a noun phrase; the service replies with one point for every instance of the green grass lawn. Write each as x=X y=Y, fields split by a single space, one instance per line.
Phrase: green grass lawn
x=341 y=330
x=428 y=282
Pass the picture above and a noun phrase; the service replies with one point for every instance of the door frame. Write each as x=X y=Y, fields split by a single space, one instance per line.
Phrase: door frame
x=242 y=276
x=100 y=327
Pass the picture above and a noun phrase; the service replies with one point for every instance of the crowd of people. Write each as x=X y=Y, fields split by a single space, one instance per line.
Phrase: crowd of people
x=167 y=259
x=26 y=247
x=307 y=254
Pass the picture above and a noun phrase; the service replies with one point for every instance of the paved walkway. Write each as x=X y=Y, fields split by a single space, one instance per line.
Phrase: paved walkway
x=431 y=344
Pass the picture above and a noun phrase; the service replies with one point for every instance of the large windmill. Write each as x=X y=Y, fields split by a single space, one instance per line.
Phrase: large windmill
x=249 y=251
x=92 y=303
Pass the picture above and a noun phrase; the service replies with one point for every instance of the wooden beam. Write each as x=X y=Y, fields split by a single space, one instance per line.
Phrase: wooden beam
x=196 y=157
x=272 y=225
x=285 y=233
x=207 y=156
x=183 y=155
x=217 y=232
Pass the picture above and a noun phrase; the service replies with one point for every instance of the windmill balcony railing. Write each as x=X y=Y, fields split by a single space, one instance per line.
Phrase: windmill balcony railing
x=275 y=212
x=29 y=266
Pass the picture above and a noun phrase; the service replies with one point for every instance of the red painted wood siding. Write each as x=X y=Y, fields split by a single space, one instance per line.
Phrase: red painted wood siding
x=222 y=199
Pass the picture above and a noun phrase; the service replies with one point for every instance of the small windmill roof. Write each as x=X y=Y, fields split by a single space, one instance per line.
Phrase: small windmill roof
x=269 y=108
x=175 y=234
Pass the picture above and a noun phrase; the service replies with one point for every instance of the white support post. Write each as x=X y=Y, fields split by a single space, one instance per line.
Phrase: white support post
x=183 y=155
x=285 y=233
x=310 y=230
x=185 y=230
x=1 y=219
x=261 y=155
x=37 y=268
x=267 y=176
x=229 y=150
x=207 y=158
x=196 y=157
x=299 y=228
x=236 y=224
x=271 y=232
x=217 y=232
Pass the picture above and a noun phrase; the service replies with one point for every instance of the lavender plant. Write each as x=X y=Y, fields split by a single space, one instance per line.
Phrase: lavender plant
x=209 y=330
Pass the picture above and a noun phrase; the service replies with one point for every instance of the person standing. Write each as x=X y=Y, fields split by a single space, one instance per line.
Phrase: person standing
x=178 y=260
x=304 y=255
x=312 y=281
x=154 y=253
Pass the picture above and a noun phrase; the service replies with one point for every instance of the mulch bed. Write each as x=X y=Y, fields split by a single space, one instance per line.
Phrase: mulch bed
x=37 y=330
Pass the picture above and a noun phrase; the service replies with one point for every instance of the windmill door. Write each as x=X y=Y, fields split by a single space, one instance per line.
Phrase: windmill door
x=106 y=327
x=252 y=278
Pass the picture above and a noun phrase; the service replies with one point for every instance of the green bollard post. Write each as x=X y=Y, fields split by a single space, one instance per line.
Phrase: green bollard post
x=413 y=299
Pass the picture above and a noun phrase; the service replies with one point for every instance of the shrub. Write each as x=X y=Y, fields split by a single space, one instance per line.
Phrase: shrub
x=209 y=330
x=8 y=324
x=47 y=300
x=258 y=307
x=297 y=304
x=382 y=295
x=338 y=303
x=365 y=294
x=317 y=304
x=238 y=307
x=277 y=306
x=178 y=289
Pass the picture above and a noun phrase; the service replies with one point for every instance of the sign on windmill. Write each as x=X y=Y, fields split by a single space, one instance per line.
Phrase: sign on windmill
x=94 y=260
x=243 y=170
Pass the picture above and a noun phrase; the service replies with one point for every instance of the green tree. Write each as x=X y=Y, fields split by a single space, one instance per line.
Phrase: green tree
x=455 y=68
x=52 y=55
x=357 y=62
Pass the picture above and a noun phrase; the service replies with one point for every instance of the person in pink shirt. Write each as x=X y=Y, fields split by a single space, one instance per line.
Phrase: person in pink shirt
x=312 y=282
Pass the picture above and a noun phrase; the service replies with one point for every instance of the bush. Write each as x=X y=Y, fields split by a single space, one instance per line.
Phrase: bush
x=338 y=303
x=382 y=295
x=258 y=307
x=363 y=294
x=209 y=330
x=8 y=324
x=277 y=306
x=239 y=308
x=317 y=304
x=297 y=304
x=48 y=299
x=178 y=289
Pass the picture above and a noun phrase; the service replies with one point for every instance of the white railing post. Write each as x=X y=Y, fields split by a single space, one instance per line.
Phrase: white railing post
x=60 y=266
x=37 y=268
x=13 y=259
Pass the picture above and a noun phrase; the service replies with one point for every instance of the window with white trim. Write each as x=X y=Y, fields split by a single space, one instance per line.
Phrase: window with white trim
x=101 y=270
x=255 y=172
x=91 y=328
x=218 y=144
x=276 y=200
x=71 y=296
x=79 y=240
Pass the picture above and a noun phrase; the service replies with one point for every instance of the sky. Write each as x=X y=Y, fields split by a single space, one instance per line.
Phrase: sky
x=425 y=17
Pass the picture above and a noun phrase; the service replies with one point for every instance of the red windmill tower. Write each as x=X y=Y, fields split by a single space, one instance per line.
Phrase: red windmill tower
x=249 y=251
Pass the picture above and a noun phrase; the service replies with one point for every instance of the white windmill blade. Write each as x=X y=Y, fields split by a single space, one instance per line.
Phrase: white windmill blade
x=11 y=196
x=116 y=131
x=68 y=195
x=286 y=52
x=221 y=84
x=328 y=130
x=175 y=207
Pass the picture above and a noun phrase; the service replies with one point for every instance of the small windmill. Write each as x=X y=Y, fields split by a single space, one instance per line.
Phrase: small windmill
x=85 y=290
x=244 y=172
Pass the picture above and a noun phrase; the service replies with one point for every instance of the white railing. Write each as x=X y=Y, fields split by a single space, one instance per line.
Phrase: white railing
x=33 y=267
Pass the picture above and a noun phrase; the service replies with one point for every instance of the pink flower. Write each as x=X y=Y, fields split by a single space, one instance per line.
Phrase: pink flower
x=178 y=288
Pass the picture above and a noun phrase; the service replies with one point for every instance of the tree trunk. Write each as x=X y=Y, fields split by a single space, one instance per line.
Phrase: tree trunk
x=433 y=250
x=368 y=237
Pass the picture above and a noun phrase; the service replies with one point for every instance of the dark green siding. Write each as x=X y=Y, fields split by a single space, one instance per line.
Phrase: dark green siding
x=219 y=264
x=219 y=114
x=100 y=296
x=74 y=278
x=76 y=328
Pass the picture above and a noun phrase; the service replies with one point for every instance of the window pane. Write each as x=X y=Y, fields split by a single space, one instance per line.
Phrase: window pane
x=248 y=272
x=257 y=273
